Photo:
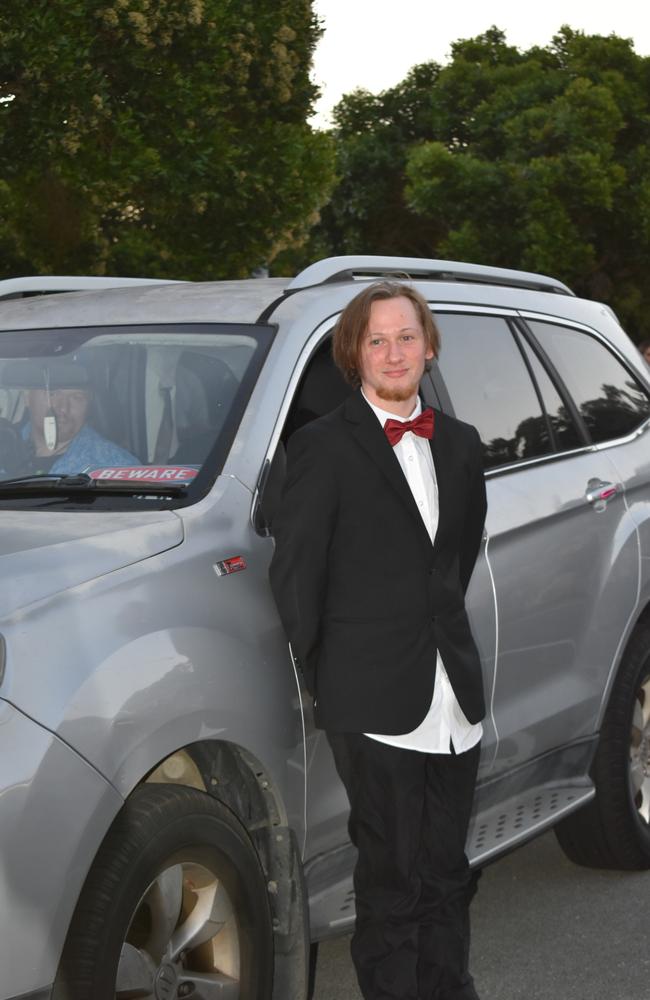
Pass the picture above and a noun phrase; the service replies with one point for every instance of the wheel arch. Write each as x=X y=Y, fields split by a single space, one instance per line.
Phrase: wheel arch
x=640 y=617
x=235 y=777
x=644 y=617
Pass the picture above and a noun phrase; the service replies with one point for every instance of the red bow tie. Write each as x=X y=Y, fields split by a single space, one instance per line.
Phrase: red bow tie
x=422 y=426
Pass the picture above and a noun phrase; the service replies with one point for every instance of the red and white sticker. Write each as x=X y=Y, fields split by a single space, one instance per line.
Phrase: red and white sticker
x=227 y=566
x=147 y=473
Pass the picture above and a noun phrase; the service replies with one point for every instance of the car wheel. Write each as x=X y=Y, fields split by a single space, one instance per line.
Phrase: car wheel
x=175 y=905
x=613 y=830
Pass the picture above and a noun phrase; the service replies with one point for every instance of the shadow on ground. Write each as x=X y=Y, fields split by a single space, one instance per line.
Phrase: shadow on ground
x=543 y=929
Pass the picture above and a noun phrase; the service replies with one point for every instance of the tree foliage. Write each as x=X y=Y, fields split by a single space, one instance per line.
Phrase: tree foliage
x=538 y=160
x=162 y=137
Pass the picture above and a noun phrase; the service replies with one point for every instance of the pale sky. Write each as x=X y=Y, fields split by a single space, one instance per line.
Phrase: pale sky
x=371 y=44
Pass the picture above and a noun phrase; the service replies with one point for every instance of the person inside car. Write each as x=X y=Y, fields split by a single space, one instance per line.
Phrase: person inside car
x=56 y=435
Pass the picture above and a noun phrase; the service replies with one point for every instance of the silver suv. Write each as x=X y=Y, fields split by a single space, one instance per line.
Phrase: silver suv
x=170 y=821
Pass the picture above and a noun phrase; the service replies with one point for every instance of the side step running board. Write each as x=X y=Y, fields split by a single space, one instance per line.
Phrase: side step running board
x=492 y=831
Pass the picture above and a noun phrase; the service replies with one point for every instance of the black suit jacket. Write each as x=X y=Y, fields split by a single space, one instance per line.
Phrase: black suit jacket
x=364 y=596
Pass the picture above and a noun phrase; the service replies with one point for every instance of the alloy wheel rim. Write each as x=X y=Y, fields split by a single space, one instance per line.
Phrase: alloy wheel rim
x=640 y=751
x=182 y=941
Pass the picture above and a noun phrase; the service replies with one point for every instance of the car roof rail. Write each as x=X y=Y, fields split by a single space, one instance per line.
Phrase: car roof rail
x=15 y=288
x=339 y=269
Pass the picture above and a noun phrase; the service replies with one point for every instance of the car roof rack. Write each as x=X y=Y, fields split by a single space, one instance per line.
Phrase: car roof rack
x=16 y=288
x=340 y=269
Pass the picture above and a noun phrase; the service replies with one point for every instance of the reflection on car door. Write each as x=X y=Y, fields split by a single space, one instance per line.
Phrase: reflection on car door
x=564 y=558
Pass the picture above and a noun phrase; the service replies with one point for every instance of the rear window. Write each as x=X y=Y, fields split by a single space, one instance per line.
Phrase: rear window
x=610 y=400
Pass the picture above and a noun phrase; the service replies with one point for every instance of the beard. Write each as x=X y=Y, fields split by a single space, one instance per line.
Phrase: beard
x=397 y=394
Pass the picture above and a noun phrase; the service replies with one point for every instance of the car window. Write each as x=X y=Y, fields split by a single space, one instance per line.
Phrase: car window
x=321 y=389
x=611 y=401
x=490 y=386
x=566 y=435
x=140 y=403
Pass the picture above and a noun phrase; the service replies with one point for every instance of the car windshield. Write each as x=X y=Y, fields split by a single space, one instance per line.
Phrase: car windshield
x=129 y=405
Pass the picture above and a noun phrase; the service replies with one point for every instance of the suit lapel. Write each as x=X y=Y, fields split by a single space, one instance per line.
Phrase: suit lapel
x=442 y=479
x=370 y=435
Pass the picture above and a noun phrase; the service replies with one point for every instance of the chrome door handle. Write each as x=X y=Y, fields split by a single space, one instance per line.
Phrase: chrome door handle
x=600 y=492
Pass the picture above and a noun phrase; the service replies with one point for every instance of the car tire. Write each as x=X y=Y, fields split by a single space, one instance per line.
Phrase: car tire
x=613 y=830
x=175 y=904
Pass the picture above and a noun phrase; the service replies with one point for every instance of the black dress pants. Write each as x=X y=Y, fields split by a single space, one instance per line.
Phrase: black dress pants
x=409 y=814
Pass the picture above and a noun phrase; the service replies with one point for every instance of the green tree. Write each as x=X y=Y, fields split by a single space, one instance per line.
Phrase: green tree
x=161 y=137
x=536 y=159
x=373 y=134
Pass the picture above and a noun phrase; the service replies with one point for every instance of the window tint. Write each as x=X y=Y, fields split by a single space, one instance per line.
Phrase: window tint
x=490 y=387
x=611 y=401
x=565 y=433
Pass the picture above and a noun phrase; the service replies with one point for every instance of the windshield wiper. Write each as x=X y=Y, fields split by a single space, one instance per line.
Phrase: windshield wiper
x=81 y=482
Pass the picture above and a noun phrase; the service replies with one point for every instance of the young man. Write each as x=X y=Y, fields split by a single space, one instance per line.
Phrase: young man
x=376 y=539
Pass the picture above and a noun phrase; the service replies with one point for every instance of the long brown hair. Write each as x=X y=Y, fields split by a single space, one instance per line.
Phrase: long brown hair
x=353 y=324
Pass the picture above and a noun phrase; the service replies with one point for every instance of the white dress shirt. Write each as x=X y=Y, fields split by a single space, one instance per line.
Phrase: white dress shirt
x=445 y=724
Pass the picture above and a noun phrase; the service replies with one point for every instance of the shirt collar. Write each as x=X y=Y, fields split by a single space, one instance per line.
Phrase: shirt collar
x=384 y=415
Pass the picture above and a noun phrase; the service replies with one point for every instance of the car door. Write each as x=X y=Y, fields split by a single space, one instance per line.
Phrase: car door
x=561 y=546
